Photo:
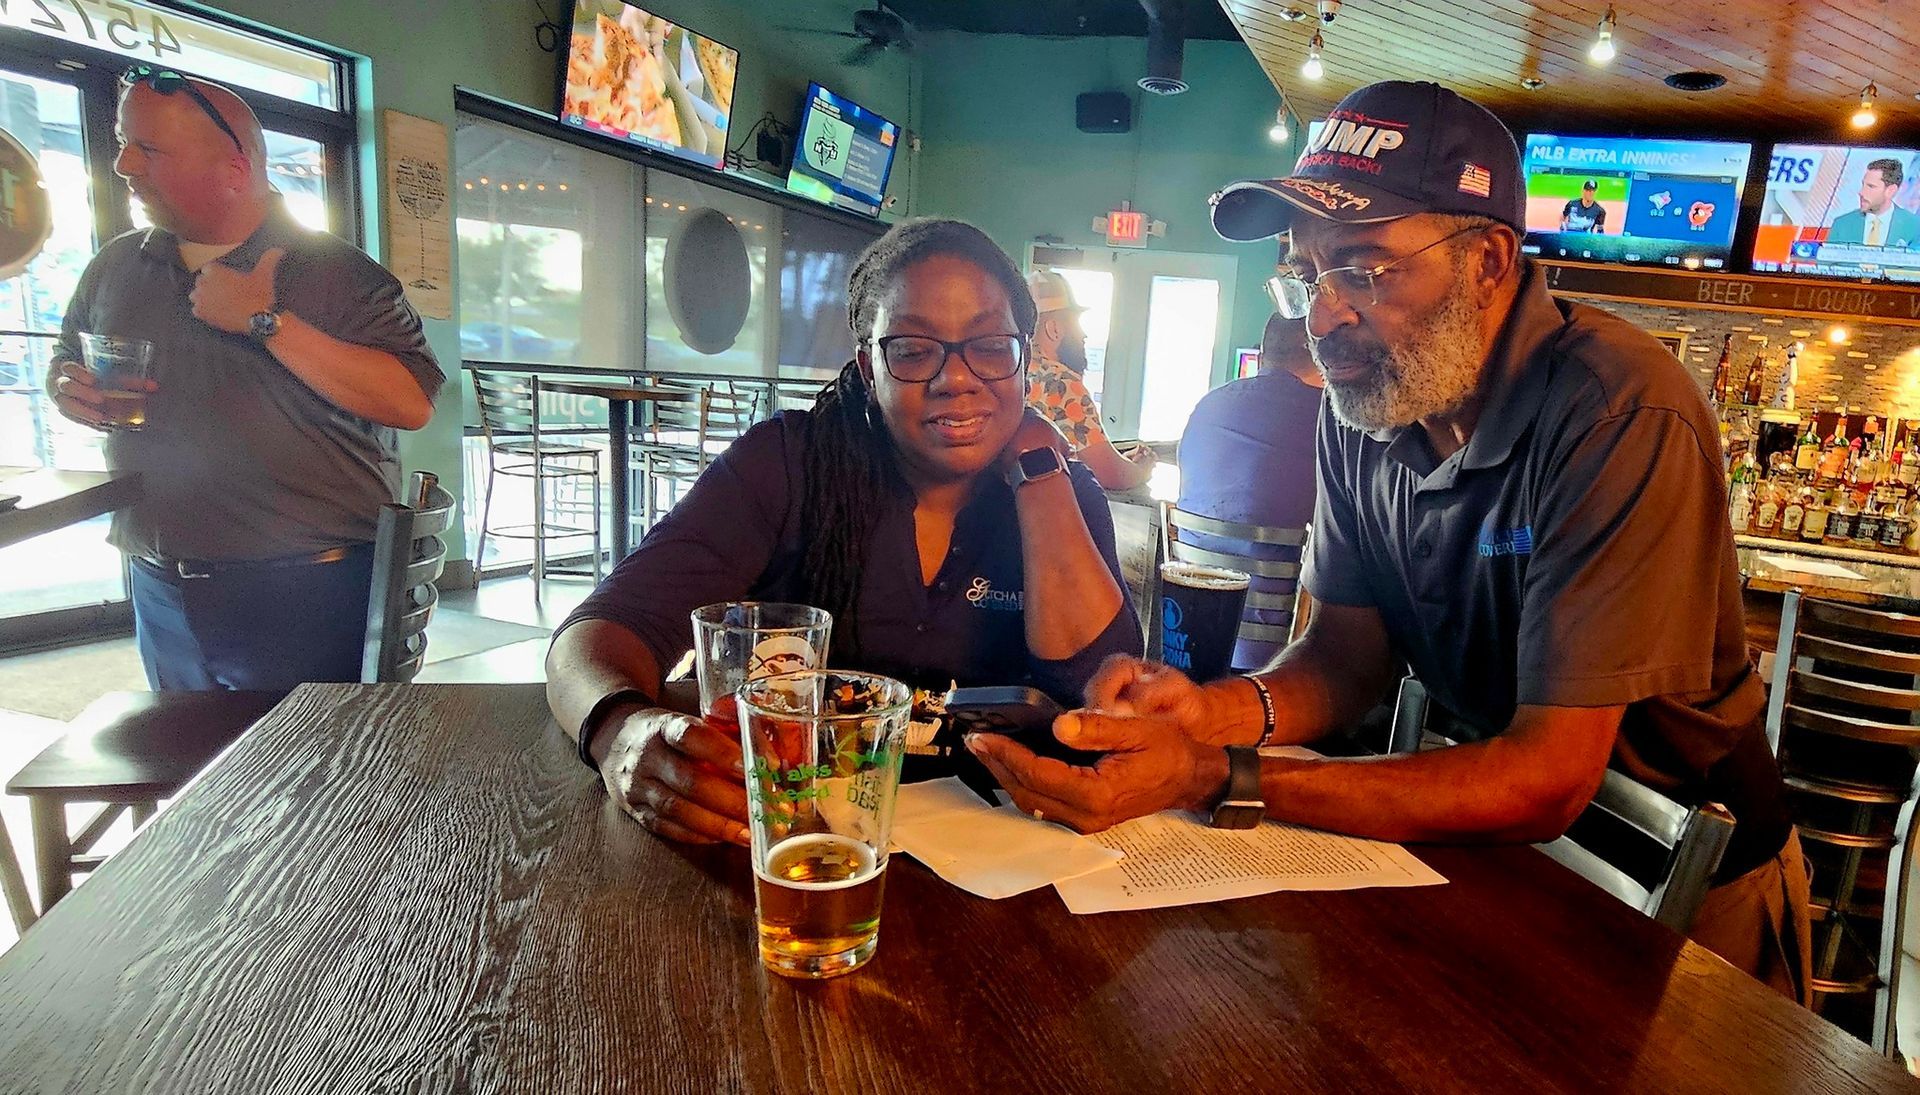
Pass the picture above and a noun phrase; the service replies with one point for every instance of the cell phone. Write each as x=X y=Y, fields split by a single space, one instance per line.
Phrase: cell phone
x=1024 y=714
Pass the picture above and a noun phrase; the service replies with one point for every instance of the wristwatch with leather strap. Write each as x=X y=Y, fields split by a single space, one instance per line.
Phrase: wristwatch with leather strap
x=1242 y=806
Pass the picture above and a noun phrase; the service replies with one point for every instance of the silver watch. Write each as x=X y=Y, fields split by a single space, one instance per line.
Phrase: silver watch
x=264 y=325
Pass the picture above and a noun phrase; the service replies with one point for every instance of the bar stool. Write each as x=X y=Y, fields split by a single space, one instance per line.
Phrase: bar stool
x=1844 y=716
x=510 y=422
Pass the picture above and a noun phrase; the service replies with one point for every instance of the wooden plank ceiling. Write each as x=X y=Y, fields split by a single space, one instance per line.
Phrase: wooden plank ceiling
x=1793 y=67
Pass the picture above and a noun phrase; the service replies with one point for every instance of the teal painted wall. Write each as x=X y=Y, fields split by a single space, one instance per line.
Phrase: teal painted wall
x=415 y=52
x=1002 y=150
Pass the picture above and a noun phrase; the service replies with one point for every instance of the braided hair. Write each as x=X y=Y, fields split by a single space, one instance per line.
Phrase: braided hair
x=850 y=463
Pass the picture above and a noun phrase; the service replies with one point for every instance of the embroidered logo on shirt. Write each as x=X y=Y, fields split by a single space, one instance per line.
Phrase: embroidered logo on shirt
x=981 y=594
x=1513 y=541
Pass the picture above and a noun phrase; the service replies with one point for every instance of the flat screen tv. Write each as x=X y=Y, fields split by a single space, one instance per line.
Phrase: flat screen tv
x=844 y=154
x=1634 y=200
x=1840 y=211
x=633 y=76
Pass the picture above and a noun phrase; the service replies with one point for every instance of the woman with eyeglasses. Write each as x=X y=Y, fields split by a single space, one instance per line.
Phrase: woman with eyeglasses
x=919 y=502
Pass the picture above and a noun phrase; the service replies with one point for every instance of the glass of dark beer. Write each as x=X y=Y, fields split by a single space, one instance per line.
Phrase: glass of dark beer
x=1200 y=617
x=822 y=756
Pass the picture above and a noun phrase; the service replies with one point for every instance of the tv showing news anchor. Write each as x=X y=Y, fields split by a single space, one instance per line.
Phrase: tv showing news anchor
x=1841 y=211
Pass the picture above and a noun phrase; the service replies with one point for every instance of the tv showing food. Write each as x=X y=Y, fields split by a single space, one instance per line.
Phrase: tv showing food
x=1842 y=212
x=636 y=77
x=1634 y=200
x=844 y=154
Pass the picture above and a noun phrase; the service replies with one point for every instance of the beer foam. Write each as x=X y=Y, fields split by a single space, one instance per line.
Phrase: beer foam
x=795 y=846
x=1201 y=576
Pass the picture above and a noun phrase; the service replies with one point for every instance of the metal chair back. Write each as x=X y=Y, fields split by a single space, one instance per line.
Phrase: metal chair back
x=408 y=557
x=1178 y=527
x=1632 y=841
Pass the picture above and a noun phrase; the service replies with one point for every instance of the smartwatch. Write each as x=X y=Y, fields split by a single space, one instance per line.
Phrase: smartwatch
x=1033 y=465
x=263 y=325
x=1241 y=807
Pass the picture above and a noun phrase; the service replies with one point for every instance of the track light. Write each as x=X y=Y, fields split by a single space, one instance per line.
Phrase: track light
x=1865 y=117
x=1603 y=50
x=1313 y=69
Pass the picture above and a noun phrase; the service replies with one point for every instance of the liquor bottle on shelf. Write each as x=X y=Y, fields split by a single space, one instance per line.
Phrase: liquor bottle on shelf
x=1839 y=436
x=1766 y=514
x=1871 y=431
x=1793 y=513
x=1834 y=451
x=1908 y=460
x=1806 y=455
x=1740 y=493
x=1840 y=520
x=1722 y=387
x=1756 y=380
x=1813 y=524
x=1893 y=527
x=1783 y=395
x=1866 y=532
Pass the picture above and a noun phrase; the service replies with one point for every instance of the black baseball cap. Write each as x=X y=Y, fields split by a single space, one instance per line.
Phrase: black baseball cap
x=1389 y=150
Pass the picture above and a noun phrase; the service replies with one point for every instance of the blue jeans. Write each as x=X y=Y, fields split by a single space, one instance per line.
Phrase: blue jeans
x=248 y=628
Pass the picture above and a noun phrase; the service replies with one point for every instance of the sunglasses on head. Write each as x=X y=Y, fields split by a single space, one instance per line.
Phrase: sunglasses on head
x=165 y=82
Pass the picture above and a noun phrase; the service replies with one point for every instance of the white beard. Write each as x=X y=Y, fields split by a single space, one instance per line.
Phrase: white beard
x=1434 y=373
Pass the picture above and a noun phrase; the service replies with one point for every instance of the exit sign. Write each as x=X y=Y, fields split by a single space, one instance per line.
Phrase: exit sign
x=1126 y=228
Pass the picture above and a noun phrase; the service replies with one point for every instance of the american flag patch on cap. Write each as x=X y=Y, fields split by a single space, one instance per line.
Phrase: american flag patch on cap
x=1476 y=180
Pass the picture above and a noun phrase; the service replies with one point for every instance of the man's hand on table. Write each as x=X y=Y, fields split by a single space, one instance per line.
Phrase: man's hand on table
x=1151 y=764
x=677 y=775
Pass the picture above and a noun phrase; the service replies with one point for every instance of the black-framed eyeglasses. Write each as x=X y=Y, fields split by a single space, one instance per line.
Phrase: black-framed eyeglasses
x=916 y=359
x=166 y=82
x=1293 y=295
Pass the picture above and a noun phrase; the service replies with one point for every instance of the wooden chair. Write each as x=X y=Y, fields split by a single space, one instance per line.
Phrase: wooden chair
x=1632 y=841
x=510 y=423
x=1180 y=532
x=1844 y=715
x=129 y=750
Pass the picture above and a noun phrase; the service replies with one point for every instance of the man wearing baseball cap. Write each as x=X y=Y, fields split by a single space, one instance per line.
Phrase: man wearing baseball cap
x=1056 y=388
x=1519 y=498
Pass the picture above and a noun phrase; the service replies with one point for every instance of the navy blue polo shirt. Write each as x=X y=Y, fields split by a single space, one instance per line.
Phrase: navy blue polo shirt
x=1575 y=553
x=738 y=535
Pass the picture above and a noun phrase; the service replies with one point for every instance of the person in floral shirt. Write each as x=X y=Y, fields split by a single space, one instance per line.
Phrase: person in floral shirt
x=1055 y=389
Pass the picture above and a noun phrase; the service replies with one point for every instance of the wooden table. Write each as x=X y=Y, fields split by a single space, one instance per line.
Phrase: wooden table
x=620 y=398
x=55 y=499
x=418 y=888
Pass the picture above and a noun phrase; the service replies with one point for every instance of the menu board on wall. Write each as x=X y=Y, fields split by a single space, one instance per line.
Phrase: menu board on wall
x=419 y=212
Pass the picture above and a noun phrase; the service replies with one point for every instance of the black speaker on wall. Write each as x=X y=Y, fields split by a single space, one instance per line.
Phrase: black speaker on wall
x=1103 y=112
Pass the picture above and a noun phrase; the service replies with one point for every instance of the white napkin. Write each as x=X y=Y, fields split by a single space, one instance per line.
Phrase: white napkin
x=993 y=853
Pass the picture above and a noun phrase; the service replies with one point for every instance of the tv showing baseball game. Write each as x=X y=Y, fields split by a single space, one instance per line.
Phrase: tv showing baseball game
x=1634 y=200
x=635 y=77
x=1842 y=212
x=844 y=153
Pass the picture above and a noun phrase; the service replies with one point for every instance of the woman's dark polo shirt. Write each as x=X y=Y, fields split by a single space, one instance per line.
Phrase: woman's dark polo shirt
x=739 y=535
x=1576 y=553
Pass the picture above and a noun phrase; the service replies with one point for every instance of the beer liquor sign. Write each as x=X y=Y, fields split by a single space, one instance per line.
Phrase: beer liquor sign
x=1880 y=302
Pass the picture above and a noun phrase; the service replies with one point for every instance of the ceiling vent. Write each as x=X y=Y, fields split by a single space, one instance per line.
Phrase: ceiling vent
x=1166 y=46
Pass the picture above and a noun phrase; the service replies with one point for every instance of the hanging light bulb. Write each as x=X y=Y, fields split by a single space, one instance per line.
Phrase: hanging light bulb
x=1313 y=69
x=1603 y=50
x=1865 y=117
x=1279 y=133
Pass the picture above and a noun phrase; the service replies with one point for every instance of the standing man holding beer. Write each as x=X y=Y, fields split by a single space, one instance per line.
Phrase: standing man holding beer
x=283 y=361
x=1519 y=497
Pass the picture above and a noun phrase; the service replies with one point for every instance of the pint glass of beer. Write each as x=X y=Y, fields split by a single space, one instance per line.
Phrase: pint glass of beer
x=1200 y=617
x=121 y=368
x=822 y=757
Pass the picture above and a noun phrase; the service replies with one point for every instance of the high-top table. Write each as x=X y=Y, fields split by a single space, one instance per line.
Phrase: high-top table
x=620 y=399
x=55 y=499
x=419 y=888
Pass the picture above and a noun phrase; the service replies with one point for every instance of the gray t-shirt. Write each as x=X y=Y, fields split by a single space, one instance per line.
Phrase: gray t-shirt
x=1575 y=553
x=240 y=459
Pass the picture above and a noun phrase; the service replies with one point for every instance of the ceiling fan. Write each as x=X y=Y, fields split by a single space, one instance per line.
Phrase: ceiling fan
x=878 y=30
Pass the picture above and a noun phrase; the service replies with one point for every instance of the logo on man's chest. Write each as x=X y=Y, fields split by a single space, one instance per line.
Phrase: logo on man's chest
x=1495 y=542
x=981 y=594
